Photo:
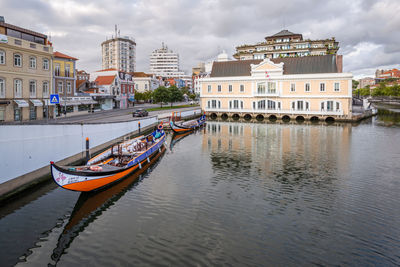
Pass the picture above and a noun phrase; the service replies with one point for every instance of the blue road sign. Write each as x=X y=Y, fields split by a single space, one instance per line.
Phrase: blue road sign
x=55 y=99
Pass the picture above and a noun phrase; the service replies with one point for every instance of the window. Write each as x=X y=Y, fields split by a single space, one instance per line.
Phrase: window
x=337 y=87
x=271 y=104
x=68 y=87
x=32 y=112
x=32 y=89
x=45 y=89
x=45 y=64
x=292 y=87
x=261 y=88
x=2 y=113
x=307 y=87
x=322 y=87
x=17 y=88
x=2 y=57
x=17 y=113
x=230 y=88
x=32 y=62
x=60 y=87
x=57 y=69
x=261 y=104
x=337 y=106
x=67 y=70
x=2 y=88
x=17 y=60
x=271 y=88
x=242 y=88
x=219 y=88
x=145 y=87
x=329 y=105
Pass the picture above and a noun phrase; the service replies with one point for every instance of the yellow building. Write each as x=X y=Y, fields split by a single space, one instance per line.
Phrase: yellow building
x=294 y=88
x=25 y=73
x=64 y=82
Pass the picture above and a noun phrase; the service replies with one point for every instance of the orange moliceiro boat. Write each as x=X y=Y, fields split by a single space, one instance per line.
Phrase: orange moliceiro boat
x=187 y=125
x=110 y=166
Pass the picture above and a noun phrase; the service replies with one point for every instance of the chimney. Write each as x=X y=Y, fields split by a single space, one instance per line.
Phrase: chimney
x=339 y=63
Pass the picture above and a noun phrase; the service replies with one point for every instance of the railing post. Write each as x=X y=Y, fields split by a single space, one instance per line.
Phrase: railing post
x=87 y=149
x=139 y=126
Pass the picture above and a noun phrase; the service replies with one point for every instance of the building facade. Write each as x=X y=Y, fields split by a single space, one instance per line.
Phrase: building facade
x=25 y=74
x=119 y=53
x=365 y=81
x=115 y=85
x=165 y=63
x=287 y=88
x=64 y=82
x=286 y=44
x=145 y=82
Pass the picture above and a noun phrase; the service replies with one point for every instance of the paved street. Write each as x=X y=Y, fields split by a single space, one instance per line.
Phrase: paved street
x=115 y=115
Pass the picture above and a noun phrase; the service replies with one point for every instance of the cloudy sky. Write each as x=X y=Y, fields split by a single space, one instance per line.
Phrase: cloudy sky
x=368 y=30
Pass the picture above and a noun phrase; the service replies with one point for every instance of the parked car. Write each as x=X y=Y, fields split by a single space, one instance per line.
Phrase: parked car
x=140 y=113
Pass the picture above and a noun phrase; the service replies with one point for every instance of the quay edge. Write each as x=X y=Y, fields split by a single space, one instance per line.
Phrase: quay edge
x=17 y=186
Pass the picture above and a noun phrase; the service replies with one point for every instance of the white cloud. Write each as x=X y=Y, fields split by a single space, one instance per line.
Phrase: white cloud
x=368 y=30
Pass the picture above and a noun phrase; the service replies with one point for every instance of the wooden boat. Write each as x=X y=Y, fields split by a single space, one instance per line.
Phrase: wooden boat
x=187 y=125
x=110 y=166
x=91 y=205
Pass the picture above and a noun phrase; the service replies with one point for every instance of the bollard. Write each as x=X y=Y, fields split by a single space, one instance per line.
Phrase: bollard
x=87 y=149
x=139 y=126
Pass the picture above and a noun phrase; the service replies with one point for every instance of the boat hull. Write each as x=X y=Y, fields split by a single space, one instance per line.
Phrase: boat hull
x=182 y=129
x=85 y=182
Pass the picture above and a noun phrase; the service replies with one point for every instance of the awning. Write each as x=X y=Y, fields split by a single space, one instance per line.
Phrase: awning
x=21 y=103
x=69 y=103
x=88 y=102
x=4 y=102
x=37 y=102
x=47 y=102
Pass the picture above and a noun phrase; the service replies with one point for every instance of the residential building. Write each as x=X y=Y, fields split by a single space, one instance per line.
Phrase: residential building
x=165 y=63
x=286 y=44
x=25 y=73
x=64 y=82
x=82 y=75
x=365 y=81
x=386 y=74
x=145 y=82
x=293 y=88
x=118 y=85
x=119 y=53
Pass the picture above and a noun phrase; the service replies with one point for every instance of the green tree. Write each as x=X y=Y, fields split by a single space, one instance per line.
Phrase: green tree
x=192 y=96
x=160 y=95
x=175 y=94
x=147 y=95
x=138 y=96
x=355 y=83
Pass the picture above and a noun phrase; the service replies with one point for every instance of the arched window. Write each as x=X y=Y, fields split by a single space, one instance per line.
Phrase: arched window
x=2 y=88
x=17 y=88
x=17 y=60
x=271 y=104
x=330 y=106
x=261 y=104
x=2 y=57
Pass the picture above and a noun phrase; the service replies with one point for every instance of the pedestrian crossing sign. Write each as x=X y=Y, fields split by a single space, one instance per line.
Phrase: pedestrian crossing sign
x=54 y=99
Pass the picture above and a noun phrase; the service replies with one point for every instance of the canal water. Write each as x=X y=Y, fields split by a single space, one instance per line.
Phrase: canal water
x=234 y=193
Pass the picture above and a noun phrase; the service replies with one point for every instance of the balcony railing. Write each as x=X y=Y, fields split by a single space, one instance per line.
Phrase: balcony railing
x=266 y=93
